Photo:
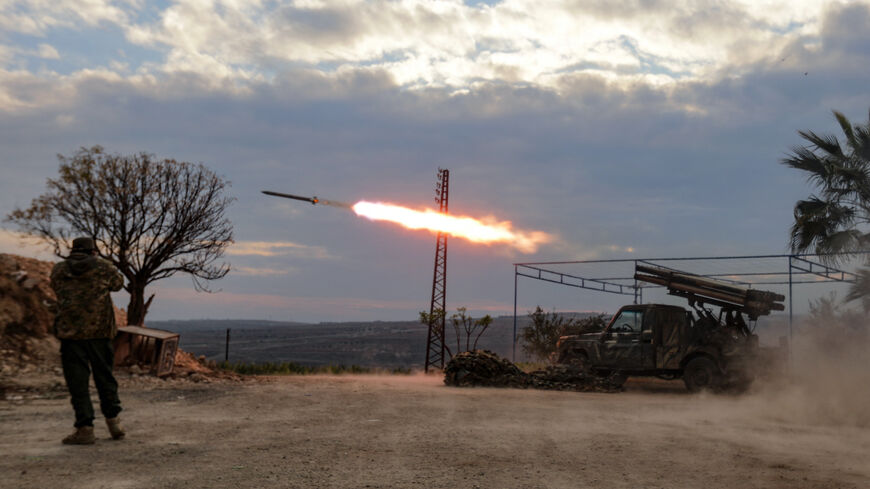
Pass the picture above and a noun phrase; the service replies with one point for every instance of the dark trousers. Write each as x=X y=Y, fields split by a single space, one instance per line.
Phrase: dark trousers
x=79 y=357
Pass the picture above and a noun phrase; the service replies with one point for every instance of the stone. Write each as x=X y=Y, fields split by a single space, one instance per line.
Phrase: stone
x=486 y=369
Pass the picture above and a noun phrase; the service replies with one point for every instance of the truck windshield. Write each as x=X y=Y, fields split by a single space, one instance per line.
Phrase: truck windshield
x=627 y=322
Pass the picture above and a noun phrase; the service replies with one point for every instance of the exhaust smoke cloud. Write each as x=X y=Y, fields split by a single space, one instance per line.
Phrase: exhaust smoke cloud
x=826 y=381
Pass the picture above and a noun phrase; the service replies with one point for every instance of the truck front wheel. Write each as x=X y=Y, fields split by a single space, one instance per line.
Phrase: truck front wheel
x=701 y=373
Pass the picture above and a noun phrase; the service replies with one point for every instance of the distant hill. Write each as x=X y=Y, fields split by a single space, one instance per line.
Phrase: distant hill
x=182 y=326
x=386 y=344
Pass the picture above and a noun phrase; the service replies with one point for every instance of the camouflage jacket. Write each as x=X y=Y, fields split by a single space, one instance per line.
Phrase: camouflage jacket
x=84 y=306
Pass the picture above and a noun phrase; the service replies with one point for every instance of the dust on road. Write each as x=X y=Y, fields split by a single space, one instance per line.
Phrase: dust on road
x=412 y=431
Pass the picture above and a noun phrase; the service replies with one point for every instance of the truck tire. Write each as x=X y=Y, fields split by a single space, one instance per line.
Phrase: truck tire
x=701 y=373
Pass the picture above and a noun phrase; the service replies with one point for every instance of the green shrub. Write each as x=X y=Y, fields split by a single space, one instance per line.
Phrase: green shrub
x=540 y=336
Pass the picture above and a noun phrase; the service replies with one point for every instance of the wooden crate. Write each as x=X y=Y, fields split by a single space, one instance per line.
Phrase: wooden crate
x=147 y=347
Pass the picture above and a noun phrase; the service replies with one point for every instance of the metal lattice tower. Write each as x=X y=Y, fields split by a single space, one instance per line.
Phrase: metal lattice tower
x=438 y=308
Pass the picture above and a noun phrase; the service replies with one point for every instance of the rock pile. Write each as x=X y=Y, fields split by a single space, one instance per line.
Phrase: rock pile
x=198 y=369
x=483 y=368
x=29 y=352
x=486 y=369
x=25 y=294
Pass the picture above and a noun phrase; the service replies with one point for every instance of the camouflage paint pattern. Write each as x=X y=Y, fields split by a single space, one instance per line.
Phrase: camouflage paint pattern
x=669 y=336
x=83 y=284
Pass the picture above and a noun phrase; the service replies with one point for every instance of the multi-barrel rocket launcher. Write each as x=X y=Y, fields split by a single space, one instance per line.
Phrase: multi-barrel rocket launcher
x=700 y=290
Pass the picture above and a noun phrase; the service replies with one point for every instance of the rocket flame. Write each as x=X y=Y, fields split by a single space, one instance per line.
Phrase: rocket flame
x=461 y=227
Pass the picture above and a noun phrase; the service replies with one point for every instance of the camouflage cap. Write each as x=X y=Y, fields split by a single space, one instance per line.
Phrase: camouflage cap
x=84 y=244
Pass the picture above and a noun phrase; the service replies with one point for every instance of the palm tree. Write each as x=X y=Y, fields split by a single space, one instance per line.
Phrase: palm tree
x=836 y=219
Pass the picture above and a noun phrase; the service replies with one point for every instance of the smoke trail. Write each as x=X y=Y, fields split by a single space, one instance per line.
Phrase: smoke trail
x=335 y=203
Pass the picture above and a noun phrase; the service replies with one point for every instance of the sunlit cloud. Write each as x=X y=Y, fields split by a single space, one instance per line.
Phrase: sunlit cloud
x=17 y=243
x=278 y=248
x=347 y=308
x=282 y=302
x=425 y=44
x=259 y=272
x=38 y=18
x=293 y=307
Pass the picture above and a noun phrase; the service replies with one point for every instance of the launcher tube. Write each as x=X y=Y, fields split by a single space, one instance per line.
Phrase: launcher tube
x=698 y=291
x=693 y=279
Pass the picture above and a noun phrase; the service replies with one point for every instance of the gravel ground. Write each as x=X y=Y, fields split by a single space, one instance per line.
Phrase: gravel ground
x=412 y=431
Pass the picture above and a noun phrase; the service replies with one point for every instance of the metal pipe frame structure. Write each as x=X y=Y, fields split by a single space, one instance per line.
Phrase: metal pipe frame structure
x=800 y=268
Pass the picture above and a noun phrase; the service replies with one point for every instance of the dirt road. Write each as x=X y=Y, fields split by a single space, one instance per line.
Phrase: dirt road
x=411 y=431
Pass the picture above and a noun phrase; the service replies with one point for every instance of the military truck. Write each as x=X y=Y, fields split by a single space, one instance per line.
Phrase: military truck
x=708 y=349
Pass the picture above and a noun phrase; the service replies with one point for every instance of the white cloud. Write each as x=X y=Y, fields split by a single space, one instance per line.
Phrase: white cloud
x=47 y=51
x=37 y=17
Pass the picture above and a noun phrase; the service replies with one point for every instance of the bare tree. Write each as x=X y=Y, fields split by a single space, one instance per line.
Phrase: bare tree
x=465 y=327
x=151 y=218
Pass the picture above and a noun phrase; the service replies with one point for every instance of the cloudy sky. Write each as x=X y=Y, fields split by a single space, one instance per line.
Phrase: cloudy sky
x=630 y=128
